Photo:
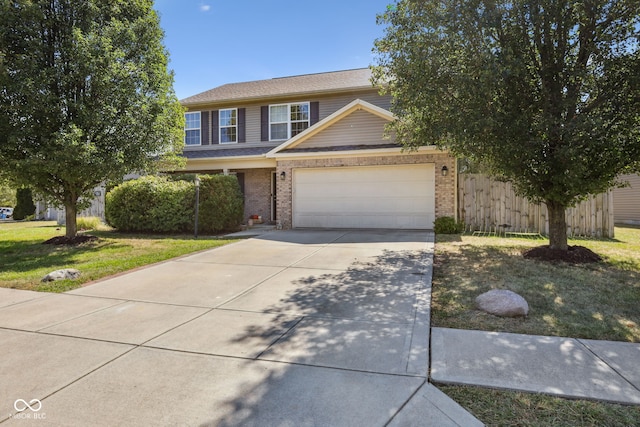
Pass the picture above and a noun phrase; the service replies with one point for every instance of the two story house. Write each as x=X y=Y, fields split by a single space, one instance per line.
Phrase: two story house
x=310 y=151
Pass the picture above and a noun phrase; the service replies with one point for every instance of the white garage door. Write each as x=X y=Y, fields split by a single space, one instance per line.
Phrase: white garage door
x=398 y=196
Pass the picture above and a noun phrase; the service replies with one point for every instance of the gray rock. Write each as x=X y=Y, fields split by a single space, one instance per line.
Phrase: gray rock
x=501 y=302
x=67 y=273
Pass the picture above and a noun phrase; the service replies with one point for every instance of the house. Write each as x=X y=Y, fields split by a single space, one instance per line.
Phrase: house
x=310 y=151
x=626 y=201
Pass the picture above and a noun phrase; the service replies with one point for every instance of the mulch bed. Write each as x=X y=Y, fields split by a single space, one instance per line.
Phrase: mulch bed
x=77 y=240
x=575 y=254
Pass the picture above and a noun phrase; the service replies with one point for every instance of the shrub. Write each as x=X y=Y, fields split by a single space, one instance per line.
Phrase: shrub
x=164 y=204
x=24 y=204
x=88 y=222
x=151 y=204
x=447 y=225
x=221 y=203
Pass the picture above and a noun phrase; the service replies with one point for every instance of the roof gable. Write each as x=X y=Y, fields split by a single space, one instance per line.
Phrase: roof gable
x=356 y=113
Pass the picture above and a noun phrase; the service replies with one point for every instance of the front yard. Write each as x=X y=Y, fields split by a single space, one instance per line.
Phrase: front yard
x=596 y=301
x=24 y=260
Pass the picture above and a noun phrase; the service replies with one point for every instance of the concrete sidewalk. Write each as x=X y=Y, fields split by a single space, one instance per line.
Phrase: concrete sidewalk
x=567 y=367
x=292 y=328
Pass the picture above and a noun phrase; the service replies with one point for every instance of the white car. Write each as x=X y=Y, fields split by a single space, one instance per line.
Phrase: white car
x=6 y=213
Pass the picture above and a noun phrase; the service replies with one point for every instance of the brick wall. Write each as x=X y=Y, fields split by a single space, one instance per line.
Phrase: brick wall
x=444 y=185
x=257 y=193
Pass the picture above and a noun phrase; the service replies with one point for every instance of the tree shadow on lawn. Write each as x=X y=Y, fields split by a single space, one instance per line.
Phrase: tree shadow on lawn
x=595 y=301
x=23 y=256
x=360 y=319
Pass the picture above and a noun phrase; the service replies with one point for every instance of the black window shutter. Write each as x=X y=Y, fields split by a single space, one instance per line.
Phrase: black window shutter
x=315 y=113
x=242 y=134
x=215 y=127
x=264 y=123
x=204 y=127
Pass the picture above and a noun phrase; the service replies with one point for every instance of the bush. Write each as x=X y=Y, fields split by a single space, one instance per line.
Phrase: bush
x=447 y=225
x=24 y=204
x=221 y=203
x=164 y=204
x=88 y=222
x=151 y=204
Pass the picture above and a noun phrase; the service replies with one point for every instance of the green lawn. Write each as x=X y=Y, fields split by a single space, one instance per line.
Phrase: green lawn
x=24 y=260
x=597 y=301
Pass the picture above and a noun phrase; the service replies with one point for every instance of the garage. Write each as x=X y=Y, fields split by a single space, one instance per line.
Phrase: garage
x=393 y=196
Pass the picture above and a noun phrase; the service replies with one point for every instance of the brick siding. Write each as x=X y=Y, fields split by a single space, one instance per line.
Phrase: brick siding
x=257 y=193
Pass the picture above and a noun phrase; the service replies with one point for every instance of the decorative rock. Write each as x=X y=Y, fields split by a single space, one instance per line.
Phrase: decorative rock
x=67 y=273
x=501 y=302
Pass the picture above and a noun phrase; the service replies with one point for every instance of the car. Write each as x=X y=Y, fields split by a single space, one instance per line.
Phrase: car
x=6 y=213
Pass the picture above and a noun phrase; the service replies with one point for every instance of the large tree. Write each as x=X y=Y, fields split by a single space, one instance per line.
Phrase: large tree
x=85 y=96
x=543 y=93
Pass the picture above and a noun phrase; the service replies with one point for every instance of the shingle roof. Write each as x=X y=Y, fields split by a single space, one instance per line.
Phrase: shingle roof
x=228 y=152
x=339 y=148
x=336 y=81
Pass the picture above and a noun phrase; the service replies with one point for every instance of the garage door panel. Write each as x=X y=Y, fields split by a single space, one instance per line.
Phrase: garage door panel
x=399 y=196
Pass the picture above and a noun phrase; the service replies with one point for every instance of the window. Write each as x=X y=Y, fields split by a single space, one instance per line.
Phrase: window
x=228 y=126
x=192 y=128
x=287 y=120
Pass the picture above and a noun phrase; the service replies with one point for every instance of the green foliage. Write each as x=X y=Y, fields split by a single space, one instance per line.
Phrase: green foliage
x=163 y=204
x=151 y=204
x=24 y=204
x=88 y=223
x=85 y=96
x=545 y=94
x=7 y=195
x=447 y=225
x=221 y=203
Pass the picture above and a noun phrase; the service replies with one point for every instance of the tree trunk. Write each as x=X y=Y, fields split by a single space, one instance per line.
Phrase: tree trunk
x=557 y=226
x=70 y=217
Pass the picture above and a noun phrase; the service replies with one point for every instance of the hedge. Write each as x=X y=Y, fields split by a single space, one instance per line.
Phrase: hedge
x=24 y=204
x=166 y=205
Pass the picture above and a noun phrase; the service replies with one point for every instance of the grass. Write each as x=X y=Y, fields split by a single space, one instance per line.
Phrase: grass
x=515 y=409
x=24 y=260
x=594 y=301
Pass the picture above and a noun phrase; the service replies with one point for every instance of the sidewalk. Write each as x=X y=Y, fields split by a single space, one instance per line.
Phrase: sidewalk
x=566 y=367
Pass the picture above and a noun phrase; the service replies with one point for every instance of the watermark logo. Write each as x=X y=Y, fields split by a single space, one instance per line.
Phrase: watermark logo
x=33 y=413
x=21 y=405
x=392 y=8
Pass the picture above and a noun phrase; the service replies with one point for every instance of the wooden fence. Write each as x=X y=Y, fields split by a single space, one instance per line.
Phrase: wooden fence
x=491 y=206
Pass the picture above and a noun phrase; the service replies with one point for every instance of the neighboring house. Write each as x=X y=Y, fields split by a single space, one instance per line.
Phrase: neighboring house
x=626 y=201
x=310 y=151
x=47 y=212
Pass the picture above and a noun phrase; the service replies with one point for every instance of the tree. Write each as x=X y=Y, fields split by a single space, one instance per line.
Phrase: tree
x=24 y=204
x=85 y=96
x=543 y=93
x=7 y=194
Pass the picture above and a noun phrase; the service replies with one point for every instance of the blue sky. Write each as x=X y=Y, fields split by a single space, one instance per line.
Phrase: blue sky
x=213 y=42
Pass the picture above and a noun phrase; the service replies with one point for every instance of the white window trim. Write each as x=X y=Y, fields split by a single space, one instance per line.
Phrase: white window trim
x=289 y=121
x=232 y=126
x=198 y=128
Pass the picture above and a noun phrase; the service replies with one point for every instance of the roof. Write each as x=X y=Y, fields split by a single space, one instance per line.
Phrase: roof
x=227 y=152
x=336 y=81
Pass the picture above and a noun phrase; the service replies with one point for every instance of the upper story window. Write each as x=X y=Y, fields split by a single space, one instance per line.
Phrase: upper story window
x=287 y=120
x=228 y=126
x=192 y=128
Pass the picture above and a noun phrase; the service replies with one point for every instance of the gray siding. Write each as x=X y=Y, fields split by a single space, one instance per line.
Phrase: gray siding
x=626 y=201
x=328 y=104
x=370 y=129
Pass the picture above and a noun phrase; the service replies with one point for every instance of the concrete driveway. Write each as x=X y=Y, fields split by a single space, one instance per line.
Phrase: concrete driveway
x=292 y=328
